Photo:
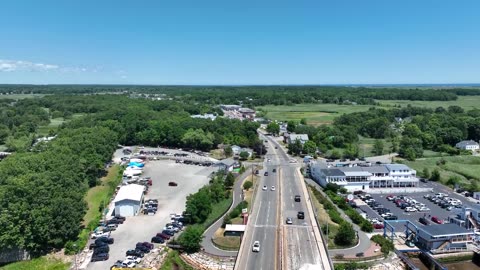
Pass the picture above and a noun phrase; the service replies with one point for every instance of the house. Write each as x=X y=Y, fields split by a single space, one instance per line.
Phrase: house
x=236 y=149
x=129 y=200
x=365 y=178
x=468 y=217
x=291 y=138
x=228 y=164
x=468 y=145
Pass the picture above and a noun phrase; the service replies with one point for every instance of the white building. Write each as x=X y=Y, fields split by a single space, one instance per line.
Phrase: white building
x=468 y=145
x=365 y=178
x=303 y=138
x=129 y=200
x=205 y=116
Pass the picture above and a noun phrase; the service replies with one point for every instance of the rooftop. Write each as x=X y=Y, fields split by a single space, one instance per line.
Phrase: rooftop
x=234 y=228
x=444 y=230
x=332 y=172
x=396 y=167
x=130 y=192
x=293 y=137
x=465 y=143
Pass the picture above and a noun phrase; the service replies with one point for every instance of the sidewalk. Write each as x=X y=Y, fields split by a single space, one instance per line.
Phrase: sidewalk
x=363 y=239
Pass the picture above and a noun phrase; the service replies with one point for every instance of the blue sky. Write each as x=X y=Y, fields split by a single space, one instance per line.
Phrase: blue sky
x=240 y=42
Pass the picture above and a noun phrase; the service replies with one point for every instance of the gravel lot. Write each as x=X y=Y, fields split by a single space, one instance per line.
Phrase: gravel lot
x=435 y=210
x=141 y=228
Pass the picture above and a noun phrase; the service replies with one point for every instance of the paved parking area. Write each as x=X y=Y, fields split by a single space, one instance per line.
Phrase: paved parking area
x=435 y=210
x=190 y=178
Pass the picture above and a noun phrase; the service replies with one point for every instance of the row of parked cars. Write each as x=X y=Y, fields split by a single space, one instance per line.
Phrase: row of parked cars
x=408 y=204
x=102 y=239
x=444 y=201
x=134 y=256
x=150 y=207
x=384 y=212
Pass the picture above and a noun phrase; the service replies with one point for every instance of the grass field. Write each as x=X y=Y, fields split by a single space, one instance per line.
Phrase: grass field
x=42 y=263
x=463 y=167
x=320 y=114
x=21 y=96
x=55 y=123
x=316 y=114
x=466 y=102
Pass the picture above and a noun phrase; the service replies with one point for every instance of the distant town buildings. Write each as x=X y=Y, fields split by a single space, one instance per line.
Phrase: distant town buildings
x=238 y=112
x=205 y=116
x=291 y=138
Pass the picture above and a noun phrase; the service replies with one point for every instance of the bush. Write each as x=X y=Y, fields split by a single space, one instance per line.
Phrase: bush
x=346 y=235
x=191 y=238
x=247 y=185
x=385 y=244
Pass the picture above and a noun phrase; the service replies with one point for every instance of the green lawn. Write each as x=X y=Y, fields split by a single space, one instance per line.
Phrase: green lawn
x=21 y=96
x=365 y=146
x=316 y=114
x=41 y=263
x=466 y=102
x=464 y=167
x=55 y=123
x=218 y=210
x=319 y=114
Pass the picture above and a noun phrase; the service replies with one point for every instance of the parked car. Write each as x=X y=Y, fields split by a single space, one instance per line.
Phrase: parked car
x=157 y=239
x=135 y=252
x=102 y=249
x=134 y=259
x=424 y=221
x=171 y=233
x=146 y=244
x=163 y=235
x=98 y=234
x=103 y=239
x=129 y=264
x=437 y=220
x=99 y=257
x=392 y=217
x=172 y=184
x=378 y=225
x=143 y=249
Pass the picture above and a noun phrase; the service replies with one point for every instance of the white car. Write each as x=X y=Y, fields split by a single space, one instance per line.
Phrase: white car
x=129 y=264
x=134 y=259
x=289 y=220
x=264 y=188
x=410 y=209
x=386 y=214
x=256 y=246
x=98 y=234
x=273 y=188
x=424 y=209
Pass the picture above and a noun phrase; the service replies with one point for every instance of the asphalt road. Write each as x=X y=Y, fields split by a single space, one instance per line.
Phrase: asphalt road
x=298 y=242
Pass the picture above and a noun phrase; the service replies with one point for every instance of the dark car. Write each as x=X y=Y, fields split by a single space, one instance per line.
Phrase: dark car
x=424 y=221
x=157 y=239
x=172 y=184
x=297 y=198
x=168 y=232
x=301 y=215
x=391 y=218
x=163 y=235
x=143 y=249
x=102 y=249
x=97 y=245
x=104 y=239
x=256 y=172
x=135 y=252
x=117 y=264
x=265 y=174
x=274 y=170
x=99 y=257
x=146 y=244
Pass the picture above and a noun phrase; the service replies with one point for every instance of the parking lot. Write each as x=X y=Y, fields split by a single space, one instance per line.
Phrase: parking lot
x=431 y=209
x=142 y=228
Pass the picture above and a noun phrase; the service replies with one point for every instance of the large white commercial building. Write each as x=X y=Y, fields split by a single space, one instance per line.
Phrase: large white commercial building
x=365 y=177
x=129 y=200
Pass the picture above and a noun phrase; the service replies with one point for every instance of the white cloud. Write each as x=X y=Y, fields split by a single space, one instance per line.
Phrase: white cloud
x=18 y=65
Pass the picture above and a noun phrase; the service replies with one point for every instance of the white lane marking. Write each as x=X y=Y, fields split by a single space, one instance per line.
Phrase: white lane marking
x=258 y=212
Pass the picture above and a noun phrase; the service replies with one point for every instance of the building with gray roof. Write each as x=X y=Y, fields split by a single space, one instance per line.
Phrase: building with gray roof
x=468 y=145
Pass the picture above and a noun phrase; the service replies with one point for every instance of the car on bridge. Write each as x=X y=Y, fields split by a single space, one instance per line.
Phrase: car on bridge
x=301 y=215
x=289 y=220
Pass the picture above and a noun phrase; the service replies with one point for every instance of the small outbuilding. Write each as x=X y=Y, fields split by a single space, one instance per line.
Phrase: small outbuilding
x=234 y=229
x=129 y=200
x=468 y=145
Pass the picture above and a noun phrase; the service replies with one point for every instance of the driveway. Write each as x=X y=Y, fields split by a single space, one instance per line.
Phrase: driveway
x=190 y=179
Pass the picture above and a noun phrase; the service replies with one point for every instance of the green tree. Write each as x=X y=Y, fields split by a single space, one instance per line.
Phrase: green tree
x=309 y=147
x=378 y=147
x=229 y=180
x=191 y=238
x=273 y=128
x=291 y=125
x=303 y=121
x=228 y=151
x=346 y=235
x=244 y=155
x=247 y=185
x=435 y=175
x=351 y=151
x=426 y=173
x=198 y=139
x=198 y=206
x=335 y=154
x=296 y=147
